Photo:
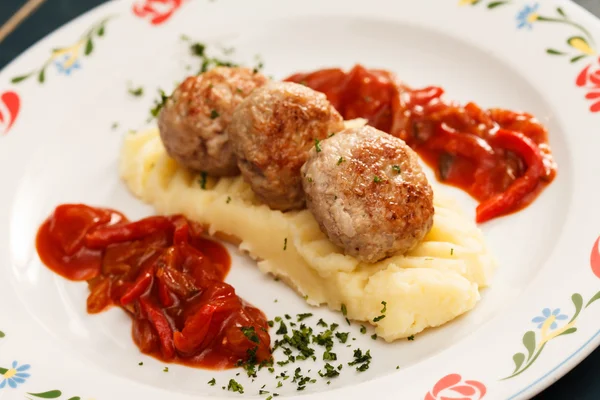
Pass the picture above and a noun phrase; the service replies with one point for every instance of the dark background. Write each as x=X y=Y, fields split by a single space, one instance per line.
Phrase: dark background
x=581 y=383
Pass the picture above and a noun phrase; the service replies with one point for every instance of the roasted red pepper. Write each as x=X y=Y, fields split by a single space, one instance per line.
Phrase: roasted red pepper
x=505 y=202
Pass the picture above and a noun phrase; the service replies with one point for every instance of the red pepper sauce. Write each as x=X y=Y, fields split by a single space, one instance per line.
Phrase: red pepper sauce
x=500 y=157
x=166 y=276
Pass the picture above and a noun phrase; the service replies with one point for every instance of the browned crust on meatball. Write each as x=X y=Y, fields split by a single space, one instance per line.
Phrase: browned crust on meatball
x=272 y=131
x=368 y=193
x=193 y=121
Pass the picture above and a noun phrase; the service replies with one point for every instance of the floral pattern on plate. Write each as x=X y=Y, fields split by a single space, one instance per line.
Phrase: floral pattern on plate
x=451 y=386
x=68 y=59
x=579 y=46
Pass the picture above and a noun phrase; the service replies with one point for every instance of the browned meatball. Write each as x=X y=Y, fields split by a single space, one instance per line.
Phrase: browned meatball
x=192 y=123
x=272 y=131
x=368 y=193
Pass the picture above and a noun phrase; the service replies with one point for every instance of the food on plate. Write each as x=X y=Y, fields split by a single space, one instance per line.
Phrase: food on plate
x=435 y=282
x=194 y=118
x=165 y=275
x=366 y=190
x=500 y=157
x=271 y=132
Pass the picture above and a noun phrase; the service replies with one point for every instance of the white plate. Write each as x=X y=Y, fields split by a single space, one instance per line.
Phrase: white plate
x=57 y=146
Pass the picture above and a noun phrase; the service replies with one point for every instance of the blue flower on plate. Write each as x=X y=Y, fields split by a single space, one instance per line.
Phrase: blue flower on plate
x=547 y=314
x=527 y=16
x=67 y=63
x=14 y=376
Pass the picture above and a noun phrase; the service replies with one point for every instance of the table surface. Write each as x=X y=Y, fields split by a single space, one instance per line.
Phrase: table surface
x=579 y=384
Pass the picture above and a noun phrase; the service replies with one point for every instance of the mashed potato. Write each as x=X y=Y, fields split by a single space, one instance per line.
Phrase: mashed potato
x=431 y=285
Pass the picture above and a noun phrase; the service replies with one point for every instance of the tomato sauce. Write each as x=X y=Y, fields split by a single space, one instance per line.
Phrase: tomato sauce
x=166 y=276
x=502 y=158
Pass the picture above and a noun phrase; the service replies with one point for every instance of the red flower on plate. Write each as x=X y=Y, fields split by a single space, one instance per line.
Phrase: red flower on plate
x=9 y=109
x=452 y=387
x=595 y=258
x=158 y=11
x=589 y=78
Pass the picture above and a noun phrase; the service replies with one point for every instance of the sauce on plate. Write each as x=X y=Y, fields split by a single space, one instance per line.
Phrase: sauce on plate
x=501 y=158
x=166 y=276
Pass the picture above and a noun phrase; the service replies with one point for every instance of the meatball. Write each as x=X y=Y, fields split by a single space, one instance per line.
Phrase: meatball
x=192 y=122
x=271 y=133
x=368 y=193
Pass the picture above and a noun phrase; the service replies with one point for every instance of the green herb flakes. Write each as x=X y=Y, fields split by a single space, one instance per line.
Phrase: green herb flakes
x=235 y=387
x=212 y=382
x=202 y=180
x=250 y=333
x=318 y=145
x=214 y=114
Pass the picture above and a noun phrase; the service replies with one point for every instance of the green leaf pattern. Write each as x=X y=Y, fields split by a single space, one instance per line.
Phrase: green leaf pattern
x=579 y=47
x=535 y=342
x=67 y=57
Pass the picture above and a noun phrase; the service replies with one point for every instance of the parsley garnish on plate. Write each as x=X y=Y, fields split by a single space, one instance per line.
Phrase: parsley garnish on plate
x=159 y=104
x=340 y=160
x=396 y=168
x=137 y=92
x=235 y=387
x=377 y=179
x=318 y=145
x=250 y=333
x=212 y=382
x=202 y=180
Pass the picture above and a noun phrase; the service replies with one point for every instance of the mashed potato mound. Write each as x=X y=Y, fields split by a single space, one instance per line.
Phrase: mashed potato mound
x=431 y=285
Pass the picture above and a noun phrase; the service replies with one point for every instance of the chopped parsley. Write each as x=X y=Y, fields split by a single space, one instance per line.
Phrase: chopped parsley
x=363 y=329
x=329 y=372
x=377 y=179
x=329 y=356
x=270 y=323
x=302 y=317
x=159 y=104
x=202 y=180
x=334 y=326
x=397 y=367
x=228 y=200
x=114 y=126
x=235 y=387
x=361 y=360
x=340 y=160
x=285 y=244
x=212 y=382
x=322 y=323
x=318 y=145
x=282 y=329
x=396 y=168
x=166 y=369
x=342 y=336
x=374 y=336
x=239 y=90
x=141 y=363
x=137 y=92
x=197 y=49
x=309 y=179
x=250 y=333
x=347 y=321
x=383 y=310
x=411 y=337
x=344 y=310
x=451 y=252
x=214 y=114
